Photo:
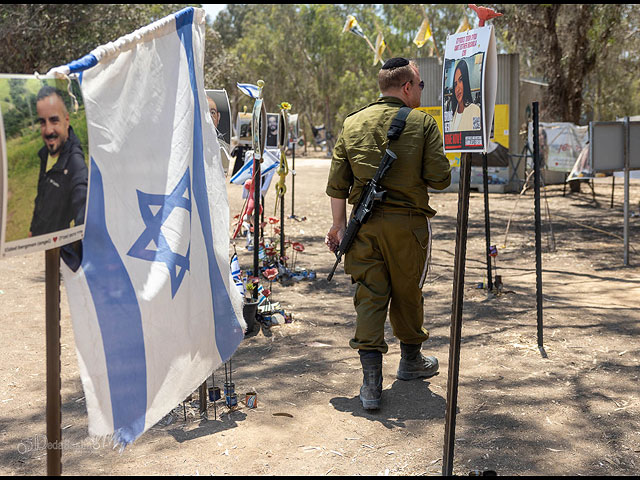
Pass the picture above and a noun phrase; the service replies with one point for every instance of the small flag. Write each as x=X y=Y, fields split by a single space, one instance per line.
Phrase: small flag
x=424 y=34
x=380 y=46
x=464 y=26
x=261 y=296
x=235 y=273
x=249 y=89
x=352 y=26
x=267 y=169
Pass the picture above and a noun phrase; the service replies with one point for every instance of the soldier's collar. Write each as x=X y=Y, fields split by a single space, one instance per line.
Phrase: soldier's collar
x=390 y=99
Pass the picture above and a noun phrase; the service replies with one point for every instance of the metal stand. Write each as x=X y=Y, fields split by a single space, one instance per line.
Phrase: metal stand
x=456 y=314
x=536 y=183
x=53 y=413
x=293 y=178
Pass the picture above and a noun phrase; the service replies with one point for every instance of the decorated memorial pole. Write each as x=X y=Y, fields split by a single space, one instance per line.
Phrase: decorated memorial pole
x=466 y=130
x=258 y=123
x=52 y=328
x=283 y=170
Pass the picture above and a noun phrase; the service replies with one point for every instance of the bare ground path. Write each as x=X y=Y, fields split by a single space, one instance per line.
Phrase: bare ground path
x=576 y=412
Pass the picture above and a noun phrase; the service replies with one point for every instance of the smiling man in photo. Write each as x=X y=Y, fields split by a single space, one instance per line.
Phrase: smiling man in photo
x=62 y=183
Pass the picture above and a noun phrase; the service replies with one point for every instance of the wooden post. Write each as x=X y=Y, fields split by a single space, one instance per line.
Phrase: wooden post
x=456 y=314
x=487 y=221
x=52 y=328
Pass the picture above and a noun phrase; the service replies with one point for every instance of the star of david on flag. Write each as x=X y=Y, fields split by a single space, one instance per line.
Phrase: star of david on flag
x=177 y=264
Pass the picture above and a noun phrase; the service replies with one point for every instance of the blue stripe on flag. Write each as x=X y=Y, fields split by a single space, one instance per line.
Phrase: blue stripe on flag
x=119 y=319
x=228 y=332
x=249 y=89
x=245 y=173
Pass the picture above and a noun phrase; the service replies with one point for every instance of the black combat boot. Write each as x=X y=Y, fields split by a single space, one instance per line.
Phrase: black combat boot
x=415 y=365
x=371 y=390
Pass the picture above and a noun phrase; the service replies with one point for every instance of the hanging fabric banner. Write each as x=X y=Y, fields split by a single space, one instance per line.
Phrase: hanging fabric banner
x=153 y=305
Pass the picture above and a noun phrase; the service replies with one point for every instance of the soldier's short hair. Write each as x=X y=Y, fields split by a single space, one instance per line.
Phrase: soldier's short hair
x=395 y=73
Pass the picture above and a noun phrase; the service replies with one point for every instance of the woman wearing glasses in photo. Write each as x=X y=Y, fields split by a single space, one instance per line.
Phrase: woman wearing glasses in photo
x=466 y=114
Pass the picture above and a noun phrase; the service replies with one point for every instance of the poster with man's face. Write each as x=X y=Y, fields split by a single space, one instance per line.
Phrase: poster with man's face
x=44 y=163
x=273 y=129
x=220 y=112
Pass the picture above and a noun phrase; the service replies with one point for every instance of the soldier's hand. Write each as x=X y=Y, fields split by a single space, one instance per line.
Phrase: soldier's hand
x=334 y=237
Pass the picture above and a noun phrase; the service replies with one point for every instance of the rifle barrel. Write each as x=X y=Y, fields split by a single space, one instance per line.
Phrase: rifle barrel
x=335 y=265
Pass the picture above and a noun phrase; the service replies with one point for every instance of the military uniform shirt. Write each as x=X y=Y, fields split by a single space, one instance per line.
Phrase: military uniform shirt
x=421 y=160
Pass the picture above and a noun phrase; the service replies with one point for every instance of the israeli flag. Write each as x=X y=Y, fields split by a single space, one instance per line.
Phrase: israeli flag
x=249 y=89
x=235 y=274
x=153 y=304
x=268 y=167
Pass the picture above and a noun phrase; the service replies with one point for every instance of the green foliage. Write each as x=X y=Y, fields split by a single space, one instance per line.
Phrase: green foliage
x=38 y=37
x=587 y=52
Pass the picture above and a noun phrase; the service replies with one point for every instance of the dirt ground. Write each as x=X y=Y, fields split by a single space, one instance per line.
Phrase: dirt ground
x=576 y=412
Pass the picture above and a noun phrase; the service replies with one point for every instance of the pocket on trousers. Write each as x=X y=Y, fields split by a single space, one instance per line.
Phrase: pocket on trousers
x=422 y=235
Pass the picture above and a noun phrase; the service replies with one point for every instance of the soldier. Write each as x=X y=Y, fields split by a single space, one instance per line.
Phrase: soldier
x=388 y=259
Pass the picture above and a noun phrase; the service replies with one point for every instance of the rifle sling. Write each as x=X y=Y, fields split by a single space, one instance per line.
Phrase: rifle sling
x=398 y=123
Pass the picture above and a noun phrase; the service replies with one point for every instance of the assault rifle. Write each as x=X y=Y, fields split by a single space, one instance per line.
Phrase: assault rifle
x=371 y=194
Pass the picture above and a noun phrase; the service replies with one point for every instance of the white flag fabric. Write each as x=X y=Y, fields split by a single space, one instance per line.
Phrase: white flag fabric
x=249 y=89
x=268 y=167
x=153 y=304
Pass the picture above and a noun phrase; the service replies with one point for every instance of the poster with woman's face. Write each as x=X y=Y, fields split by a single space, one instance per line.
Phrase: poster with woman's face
x=468 y=90
x=44 y=163
x=220 y=112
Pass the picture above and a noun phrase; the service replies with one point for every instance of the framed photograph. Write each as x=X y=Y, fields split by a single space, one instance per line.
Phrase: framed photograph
x=220 y=112
x=273 y=130
x=243 y=128
x=468 y=90
x=44 y=163
x=293 y=127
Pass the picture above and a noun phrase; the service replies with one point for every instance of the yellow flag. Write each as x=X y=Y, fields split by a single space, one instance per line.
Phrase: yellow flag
x=424 y=34
x=464 y=26
x=380 y=46
x=351 y=25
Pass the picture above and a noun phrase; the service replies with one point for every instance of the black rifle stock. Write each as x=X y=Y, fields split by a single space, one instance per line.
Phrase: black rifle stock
x=371 y=194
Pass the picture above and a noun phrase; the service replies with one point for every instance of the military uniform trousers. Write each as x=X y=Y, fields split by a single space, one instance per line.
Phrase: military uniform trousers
x=387 y=261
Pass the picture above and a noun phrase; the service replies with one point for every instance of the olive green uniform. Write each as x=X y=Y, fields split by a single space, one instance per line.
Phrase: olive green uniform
x=388 y=255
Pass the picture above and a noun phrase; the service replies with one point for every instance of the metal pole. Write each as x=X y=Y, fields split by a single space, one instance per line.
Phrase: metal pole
x=456 y=314
x=538 y=223
x=293 y=177
x=487 y=225
x=52 y=328
x=257 y=186
x=282 y=227
x=626 y=191
x=613 y=187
